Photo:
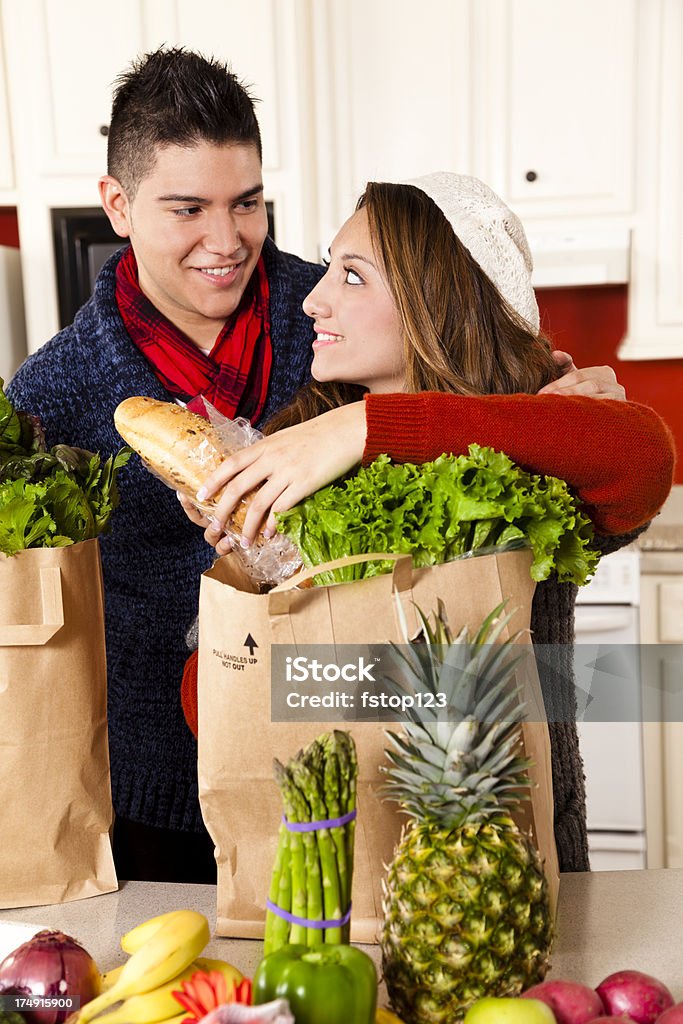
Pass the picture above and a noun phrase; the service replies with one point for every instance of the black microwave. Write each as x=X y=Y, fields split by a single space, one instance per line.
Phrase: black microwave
x=83 y=239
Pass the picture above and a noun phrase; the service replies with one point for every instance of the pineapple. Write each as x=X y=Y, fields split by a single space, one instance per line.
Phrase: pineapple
x=466 y=907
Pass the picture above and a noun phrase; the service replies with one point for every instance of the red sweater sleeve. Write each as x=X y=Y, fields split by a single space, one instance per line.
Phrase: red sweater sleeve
x=618 y=457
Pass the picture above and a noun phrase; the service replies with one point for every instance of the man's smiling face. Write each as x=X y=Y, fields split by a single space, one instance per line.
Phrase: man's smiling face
x=197 y=224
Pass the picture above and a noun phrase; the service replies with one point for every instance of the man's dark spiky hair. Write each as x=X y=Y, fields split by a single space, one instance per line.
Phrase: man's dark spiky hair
x=174 y=97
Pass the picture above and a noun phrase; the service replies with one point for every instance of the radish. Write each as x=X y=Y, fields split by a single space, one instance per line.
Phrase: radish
x=639 y=996
x=571 y=1002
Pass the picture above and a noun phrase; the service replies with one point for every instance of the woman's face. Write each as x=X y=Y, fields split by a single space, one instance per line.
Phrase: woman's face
x=359 y=339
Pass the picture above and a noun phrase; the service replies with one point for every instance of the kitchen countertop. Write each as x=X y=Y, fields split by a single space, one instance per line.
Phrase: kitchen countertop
x=662 y=538
x=665 y=532
x=607 y=921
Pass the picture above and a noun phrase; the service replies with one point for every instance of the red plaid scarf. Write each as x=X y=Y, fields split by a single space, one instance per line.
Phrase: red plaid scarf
x=235 y=376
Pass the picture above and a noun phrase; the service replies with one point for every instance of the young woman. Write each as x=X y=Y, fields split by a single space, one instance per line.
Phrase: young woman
x=426 y=340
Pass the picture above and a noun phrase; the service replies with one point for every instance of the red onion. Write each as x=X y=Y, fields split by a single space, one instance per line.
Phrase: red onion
x=674 y=1015
x=571 y=1002
x=54 y=965
x=634 y=994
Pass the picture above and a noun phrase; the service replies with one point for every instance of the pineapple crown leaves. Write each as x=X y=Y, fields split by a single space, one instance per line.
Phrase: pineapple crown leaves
x=462 y=761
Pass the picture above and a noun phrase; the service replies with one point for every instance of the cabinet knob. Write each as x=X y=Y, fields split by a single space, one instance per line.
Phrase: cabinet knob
x=104 y=130
x=531 y=175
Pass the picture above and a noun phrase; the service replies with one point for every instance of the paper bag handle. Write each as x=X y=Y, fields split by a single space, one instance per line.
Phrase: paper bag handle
x=37 y=634
x=401 y=573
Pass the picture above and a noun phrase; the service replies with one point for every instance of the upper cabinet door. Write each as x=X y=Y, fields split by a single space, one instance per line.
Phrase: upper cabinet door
x=266 y=43
x=536 y=97
x=392 y=96
x=243 y=35
x=78 y=48
x=655 y=311
x=63 y=59
x=81 y=76
x=6 y=162
x=554 y=101
x=66 y=55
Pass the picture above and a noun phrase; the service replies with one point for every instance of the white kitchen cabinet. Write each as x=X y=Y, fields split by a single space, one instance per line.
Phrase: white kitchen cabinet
x=6 y=159
x=655 y=311
x=60 y=103
x=252 y=54
x=61 y=93
x=266 y=43
x=553 y=90
x=572 y=112
x=662 y=598
x=79 y=50
x=392 y=95
x=504 y=89
x=662 y=660
x=61 y=58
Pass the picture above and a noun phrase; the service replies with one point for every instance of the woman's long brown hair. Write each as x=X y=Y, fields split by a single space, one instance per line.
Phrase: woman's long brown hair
x=460 y=336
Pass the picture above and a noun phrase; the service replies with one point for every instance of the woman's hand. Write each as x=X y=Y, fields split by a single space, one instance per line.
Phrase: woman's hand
x=286 y=467
x=593 y=381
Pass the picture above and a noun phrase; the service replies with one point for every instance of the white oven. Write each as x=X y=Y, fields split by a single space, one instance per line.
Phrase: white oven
x=607 y=616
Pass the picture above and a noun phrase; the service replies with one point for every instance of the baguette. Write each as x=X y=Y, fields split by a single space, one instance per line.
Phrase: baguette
x=181 y=447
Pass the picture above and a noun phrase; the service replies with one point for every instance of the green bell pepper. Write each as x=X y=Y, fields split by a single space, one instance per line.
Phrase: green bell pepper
x=326 y=984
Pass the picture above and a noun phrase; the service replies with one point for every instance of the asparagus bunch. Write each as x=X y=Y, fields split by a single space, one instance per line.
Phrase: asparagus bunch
x=313 y=870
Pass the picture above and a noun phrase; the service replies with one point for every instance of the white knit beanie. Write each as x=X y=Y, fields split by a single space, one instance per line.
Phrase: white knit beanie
x=491 y=232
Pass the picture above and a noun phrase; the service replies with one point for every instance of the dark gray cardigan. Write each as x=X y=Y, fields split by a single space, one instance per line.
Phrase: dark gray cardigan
x=552 y=625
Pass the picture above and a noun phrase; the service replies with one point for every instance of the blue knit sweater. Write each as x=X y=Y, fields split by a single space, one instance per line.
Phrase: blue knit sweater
x=154 y=556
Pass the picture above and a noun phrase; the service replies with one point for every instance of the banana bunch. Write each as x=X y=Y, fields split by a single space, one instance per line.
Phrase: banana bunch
x=163 y=952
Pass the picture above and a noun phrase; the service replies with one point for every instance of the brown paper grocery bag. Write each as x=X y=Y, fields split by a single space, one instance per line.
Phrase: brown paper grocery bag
x=237 y=740
x=55 y=794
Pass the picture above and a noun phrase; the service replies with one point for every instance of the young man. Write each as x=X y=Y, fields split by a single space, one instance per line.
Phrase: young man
x=200 y=302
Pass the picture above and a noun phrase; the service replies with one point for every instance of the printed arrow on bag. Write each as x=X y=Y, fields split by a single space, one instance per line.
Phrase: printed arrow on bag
x=250 y=643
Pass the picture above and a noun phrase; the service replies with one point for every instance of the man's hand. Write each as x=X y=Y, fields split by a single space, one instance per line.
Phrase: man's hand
x=593 y=381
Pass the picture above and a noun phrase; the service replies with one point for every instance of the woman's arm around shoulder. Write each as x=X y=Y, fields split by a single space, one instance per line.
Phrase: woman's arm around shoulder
x=617 y=456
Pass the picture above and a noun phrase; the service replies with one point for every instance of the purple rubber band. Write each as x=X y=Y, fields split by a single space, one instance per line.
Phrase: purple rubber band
x=293 y=919
x=313 y=826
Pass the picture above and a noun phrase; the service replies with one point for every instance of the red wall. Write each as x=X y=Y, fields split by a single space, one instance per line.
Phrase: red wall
x=590 y=324
x=9 y=229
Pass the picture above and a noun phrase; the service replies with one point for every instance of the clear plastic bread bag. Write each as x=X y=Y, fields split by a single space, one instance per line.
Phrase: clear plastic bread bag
x=265 y=561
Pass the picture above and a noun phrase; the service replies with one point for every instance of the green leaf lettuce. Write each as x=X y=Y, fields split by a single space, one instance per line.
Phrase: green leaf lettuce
x=441 y=510
x=50 y=498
